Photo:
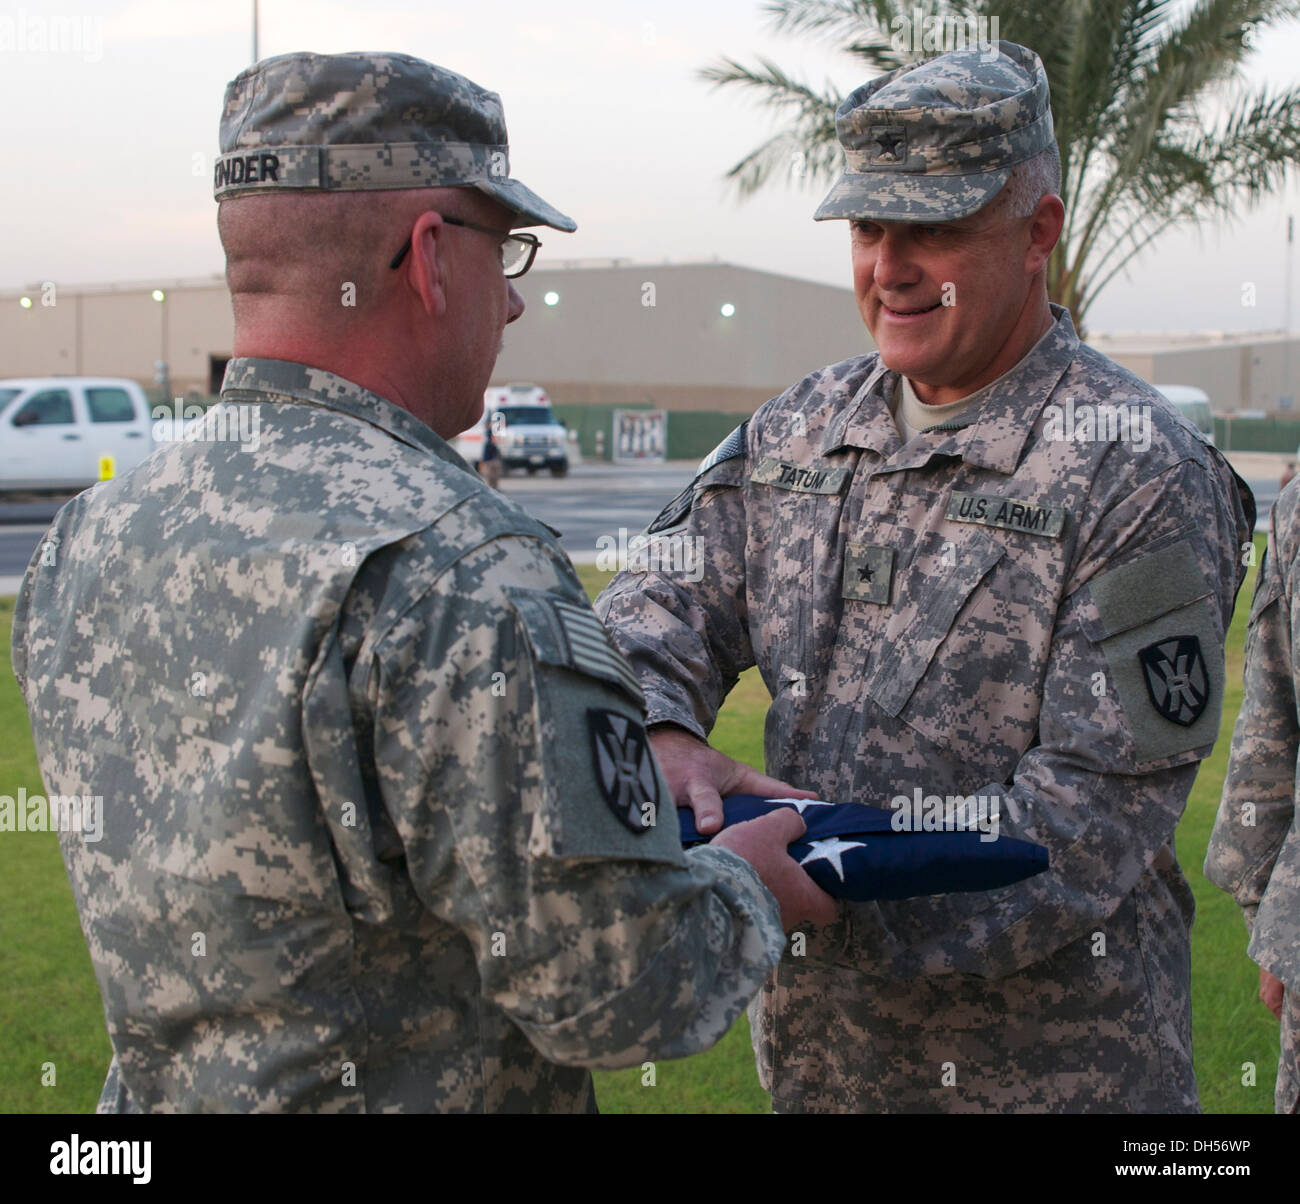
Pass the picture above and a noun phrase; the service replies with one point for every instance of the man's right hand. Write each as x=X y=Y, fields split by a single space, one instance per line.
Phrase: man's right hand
x=699 y=776
x=1270 y=992
x=763 y=843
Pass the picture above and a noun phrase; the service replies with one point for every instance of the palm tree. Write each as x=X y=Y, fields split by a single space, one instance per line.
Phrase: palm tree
x=1155 y=124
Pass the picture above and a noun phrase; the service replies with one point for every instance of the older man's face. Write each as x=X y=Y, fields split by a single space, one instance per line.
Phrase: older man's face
x=945 y=301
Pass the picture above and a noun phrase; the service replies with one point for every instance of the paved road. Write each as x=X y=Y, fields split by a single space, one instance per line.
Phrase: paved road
x=597 y=500
x=594 y=500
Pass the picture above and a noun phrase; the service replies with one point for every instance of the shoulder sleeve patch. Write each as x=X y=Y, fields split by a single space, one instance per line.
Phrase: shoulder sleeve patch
x=1156 y=621
x=567 y=635
x=601 y=793
x=624 y=769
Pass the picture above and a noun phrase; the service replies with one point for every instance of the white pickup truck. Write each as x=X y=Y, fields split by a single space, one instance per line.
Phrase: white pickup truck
x=67 y=432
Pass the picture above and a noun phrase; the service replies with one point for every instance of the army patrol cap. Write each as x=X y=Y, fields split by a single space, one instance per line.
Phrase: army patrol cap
x=344 y=122
x=936 y=141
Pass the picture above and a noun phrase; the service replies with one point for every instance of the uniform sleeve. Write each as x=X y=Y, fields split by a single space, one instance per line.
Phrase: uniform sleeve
x=513 y=761
x=1131 y=701
x=684 y=628
x=1257 y=809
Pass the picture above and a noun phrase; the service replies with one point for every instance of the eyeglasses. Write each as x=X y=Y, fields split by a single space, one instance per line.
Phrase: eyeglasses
x=517 y=251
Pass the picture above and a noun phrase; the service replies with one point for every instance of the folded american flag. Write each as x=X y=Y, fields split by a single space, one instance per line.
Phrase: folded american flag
x=856 y=852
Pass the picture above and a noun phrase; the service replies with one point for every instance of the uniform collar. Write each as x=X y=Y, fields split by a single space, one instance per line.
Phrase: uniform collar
x=991 y=435
x=249 y=379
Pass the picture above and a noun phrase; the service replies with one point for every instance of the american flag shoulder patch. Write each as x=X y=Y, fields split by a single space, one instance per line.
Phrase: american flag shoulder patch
x=569 y=635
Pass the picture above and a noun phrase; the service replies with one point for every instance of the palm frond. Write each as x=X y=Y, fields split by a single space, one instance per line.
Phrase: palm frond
x=1155 y=124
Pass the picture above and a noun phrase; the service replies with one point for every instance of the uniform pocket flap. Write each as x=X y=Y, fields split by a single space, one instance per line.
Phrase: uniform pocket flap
x=900 y=669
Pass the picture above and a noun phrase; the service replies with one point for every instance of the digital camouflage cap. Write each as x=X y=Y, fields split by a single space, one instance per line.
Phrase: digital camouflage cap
x=343 y=122
x=937 y=140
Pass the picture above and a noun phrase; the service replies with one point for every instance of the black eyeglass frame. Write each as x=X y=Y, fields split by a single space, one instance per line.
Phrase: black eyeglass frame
x=531 y=241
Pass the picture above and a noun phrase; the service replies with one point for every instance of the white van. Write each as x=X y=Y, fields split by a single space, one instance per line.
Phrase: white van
x=1193 y=404
x=67 y=432
x=524 y=427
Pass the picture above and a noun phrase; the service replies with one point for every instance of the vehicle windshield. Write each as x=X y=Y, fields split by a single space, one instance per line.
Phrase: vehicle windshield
x=526 y=416
x=7 y=395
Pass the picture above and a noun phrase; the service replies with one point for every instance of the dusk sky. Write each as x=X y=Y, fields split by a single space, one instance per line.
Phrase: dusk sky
x=109 y=141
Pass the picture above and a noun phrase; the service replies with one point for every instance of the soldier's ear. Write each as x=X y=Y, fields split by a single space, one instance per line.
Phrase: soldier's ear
x=426 y=274
x=1045 y=228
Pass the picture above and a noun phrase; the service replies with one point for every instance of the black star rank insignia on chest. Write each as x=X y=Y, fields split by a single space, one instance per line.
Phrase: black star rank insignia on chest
x=868 y=573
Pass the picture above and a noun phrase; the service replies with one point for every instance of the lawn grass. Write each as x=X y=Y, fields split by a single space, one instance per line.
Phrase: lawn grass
x=50 y=1009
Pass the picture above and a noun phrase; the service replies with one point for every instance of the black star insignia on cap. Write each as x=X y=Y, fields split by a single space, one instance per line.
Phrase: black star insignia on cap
x=890 y=138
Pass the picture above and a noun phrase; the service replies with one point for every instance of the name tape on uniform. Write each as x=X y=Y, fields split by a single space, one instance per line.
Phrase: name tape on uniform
x=1011 y=514
x=799 y=478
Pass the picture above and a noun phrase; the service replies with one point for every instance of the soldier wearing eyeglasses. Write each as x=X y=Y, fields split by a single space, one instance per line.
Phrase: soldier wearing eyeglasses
x=381 y=827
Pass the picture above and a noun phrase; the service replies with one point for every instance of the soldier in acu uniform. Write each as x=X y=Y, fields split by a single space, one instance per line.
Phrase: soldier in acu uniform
x=1254 y=852
x=962 y=572
x=379 y=815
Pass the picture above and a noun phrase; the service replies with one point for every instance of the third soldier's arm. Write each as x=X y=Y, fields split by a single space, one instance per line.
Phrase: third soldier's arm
x=1257 y=809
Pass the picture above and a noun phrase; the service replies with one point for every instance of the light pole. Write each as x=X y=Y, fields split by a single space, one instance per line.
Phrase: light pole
x=1287 y=400
x=162 y=374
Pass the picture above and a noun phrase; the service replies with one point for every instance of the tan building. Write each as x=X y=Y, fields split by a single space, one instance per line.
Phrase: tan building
x=119 y=330
x=705 y=336
x=693 y=336
x=615 y=334
x=1240 y=371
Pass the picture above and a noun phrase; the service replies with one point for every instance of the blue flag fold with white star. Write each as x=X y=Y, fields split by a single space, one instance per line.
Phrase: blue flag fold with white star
x=858 y=853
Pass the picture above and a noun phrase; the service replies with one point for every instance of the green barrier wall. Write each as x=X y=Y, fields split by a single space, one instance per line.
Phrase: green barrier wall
x=1257 y=434
x=692 y=434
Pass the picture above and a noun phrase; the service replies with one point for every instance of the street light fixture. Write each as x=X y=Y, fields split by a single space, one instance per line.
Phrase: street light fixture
x=162 y=375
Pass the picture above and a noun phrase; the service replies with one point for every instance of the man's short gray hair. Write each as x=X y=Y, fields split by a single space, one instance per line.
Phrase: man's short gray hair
x=1030 y=181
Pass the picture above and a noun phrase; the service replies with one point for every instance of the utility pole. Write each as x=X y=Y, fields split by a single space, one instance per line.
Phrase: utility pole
x=1287 y=399
x=255 y=56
